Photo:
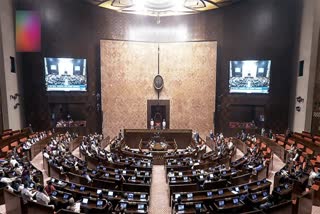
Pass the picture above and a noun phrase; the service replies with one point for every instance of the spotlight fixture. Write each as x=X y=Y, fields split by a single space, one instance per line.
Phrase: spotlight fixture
x=15 y=96
x=300 y=99
x=16 y=105
x=164 y=7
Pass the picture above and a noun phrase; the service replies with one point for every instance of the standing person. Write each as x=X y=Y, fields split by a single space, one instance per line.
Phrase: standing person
x=211 y=135
x=164 y=124
x=151 y=124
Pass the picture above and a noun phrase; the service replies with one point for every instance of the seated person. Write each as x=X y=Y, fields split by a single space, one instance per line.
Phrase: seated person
x=4 y=179
x=16 y=186
x=50 y=188
x=18 y=169
x=314 y=174
x=73 y=206
x=87 y=176
x=26 y=194
x=43 y=197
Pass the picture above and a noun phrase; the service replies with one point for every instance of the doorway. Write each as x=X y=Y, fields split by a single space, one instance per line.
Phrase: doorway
x=158 y=110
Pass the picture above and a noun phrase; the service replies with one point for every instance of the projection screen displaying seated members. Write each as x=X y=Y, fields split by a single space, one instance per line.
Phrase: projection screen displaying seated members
x=65 y=74
x=250 y=76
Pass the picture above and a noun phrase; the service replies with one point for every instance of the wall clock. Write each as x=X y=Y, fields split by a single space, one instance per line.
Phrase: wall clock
x=158 y=82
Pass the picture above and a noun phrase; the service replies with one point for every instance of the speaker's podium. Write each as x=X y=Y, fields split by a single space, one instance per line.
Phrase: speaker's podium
x=182 y=137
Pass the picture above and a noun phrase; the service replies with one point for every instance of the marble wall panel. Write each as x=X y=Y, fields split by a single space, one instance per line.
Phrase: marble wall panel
x=127 y=72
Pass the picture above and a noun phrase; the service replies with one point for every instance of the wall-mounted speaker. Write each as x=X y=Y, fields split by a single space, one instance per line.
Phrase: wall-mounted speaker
x=13 y=64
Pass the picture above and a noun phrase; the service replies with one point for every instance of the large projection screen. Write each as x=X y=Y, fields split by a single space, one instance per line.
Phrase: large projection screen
x=127 y=72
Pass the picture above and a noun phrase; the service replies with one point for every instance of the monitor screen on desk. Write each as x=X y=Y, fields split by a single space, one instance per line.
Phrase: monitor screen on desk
x=99 y=191
x=180 y=207
x=110 y=194
x=130 y=196
x=198 y=206
x=237 y=189
x=173 y=179
x=31 y=185
x=194 y=172
x=224 y=172
x=116 y=170
x=106 y=175
x=73 y=186
x=133 y=178
x=82 y=188
x=211 y=175
x=176 y=196
x=189 y=195
x=147 y=174
x=209 y=194
x=140 y=206
x=221 y=203
x=123 y=206
x=180 y=173
x=99 y=203
x=242 y=197
x=185 y=178
x=94 y=172
x=85 y=201
x=220 y=191
x=235 y=201
x=66 y=196
x=117 y=176
x=286 y=186
x=254 y=196
x=53 y=180
x=264 y=193
x=201 y=177
x=124 y=172
x=245 y=187
x=143 y=196
x=54 y=193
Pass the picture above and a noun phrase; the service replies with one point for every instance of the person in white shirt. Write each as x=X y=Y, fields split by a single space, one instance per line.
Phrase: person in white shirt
x=74 y=207
x=18 y=169
x=85 y=174
x=13 y=161
x=42 y=196
x=151 y=124
x=164 y=124
x=26 y=194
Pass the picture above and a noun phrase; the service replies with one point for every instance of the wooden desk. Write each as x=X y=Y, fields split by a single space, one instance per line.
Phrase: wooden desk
x=183 y=137
x=92 y=207
x=228 y=207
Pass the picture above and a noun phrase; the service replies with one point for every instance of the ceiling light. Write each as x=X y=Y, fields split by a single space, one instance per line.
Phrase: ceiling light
x=164 y=7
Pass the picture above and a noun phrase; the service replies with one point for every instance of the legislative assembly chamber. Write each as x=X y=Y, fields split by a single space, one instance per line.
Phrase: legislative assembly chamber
x=159 y=106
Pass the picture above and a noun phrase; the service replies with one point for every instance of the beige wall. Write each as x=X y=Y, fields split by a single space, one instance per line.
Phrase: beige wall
x=12 y=118
x=308 y=50
x=127 y=72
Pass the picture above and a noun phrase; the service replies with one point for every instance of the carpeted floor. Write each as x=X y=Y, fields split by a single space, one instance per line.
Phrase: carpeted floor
x=159 y=192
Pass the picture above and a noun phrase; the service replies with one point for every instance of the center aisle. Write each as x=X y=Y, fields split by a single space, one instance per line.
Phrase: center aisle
x=159 y=192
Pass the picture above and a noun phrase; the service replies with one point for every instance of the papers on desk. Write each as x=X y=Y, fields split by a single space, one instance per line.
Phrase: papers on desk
x=234 y=192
